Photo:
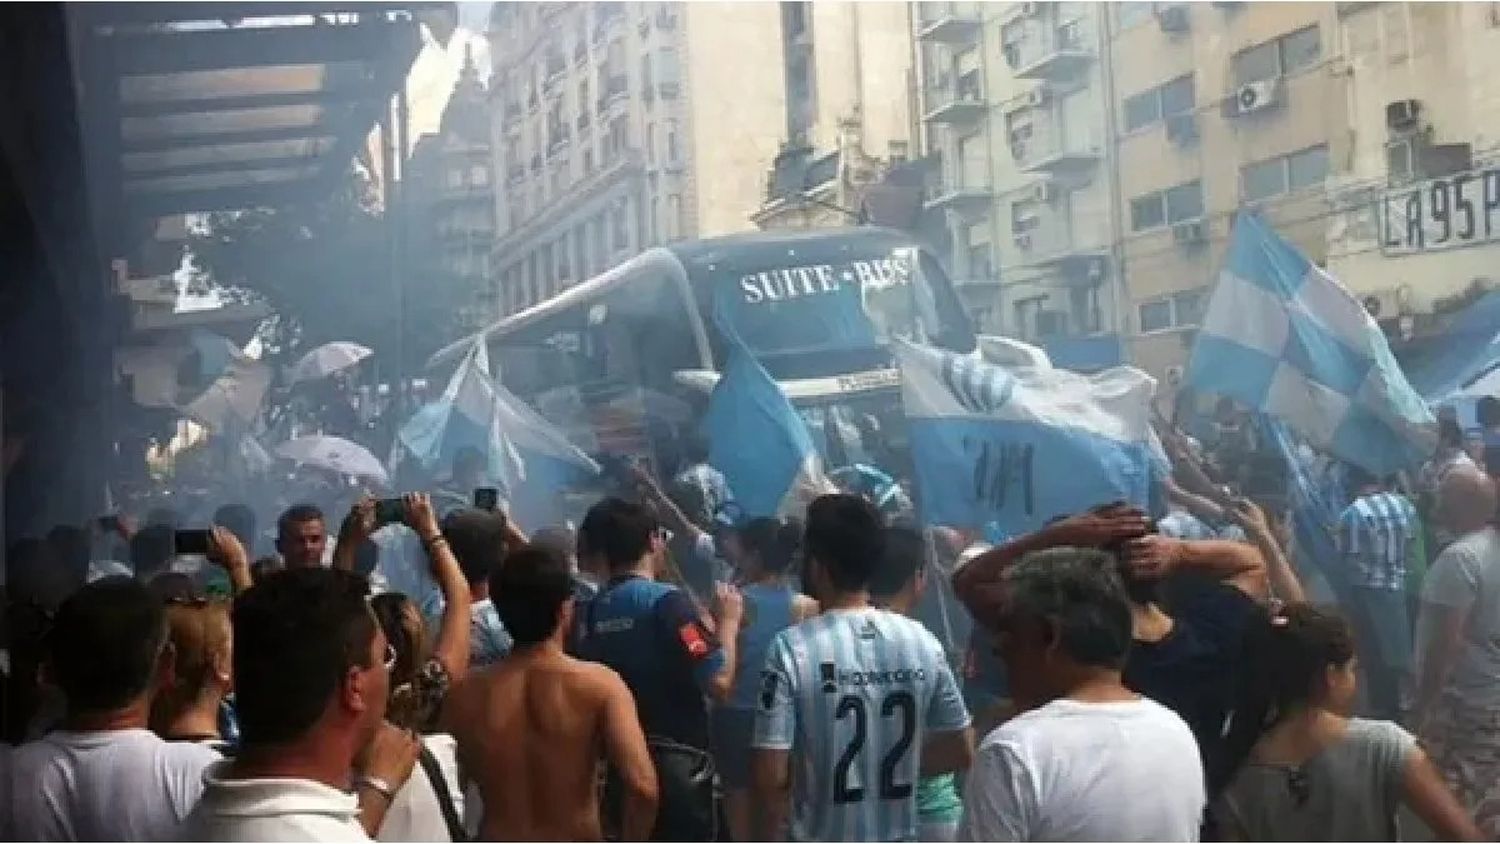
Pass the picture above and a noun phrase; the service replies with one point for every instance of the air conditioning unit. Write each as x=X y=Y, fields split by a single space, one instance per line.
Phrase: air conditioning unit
x=1172 y=18
x=1035 y=97
x=1022 y=240
x=1253 y=96
x=1030 y=10
x=1045 y=191
x=1173 y=375
x=1182 y=129
x=1190 y=232
x=1401 y=115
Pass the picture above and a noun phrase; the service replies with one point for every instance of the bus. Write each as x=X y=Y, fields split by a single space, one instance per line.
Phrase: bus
x=625 y=360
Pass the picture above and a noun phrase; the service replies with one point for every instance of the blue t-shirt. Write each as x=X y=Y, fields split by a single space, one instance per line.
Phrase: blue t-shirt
x=650 y=633
x=768 y=611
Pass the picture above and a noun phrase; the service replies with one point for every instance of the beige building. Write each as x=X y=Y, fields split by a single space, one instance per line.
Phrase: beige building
x=1014 y=109
x=848 y=72
x=1218 y=106
x=617 y=126
x=1419 y=202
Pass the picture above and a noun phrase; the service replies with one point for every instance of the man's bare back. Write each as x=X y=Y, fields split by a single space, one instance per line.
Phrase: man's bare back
x=532 y=732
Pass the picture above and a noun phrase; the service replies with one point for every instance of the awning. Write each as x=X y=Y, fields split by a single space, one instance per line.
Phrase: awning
x=192 y=107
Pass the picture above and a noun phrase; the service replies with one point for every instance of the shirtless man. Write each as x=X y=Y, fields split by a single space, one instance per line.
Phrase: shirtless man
x=530 y=728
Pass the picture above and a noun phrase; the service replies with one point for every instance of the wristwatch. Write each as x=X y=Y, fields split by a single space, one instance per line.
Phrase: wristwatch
x=377 y=785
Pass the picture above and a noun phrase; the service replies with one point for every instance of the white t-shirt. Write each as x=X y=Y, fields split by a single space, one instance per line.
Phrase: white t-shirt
x=116 y=785
x=1072 y=771
x=415 y=813
x=271 y=810
x=1466 y=578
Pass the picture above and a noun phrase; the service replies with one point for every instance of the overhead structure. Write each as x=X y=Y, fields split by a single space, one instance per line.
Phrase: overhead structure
x=193 y=107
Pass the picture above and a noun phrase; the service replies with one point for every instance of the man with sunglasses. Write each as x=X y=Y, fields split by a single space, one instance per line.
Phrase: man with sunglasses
x=312 y=669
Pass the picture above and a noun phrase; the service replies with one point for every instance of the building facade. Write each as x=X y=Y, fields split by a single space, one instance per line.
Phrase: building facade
x=848 y=73
x=1014 y=111
x=1417 y=217
x=618 y=126
x=1219 y=107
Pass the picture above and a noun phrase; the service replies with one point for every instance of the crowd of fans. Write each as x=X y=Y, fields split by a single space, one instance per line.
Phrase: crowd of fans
x=670 y=670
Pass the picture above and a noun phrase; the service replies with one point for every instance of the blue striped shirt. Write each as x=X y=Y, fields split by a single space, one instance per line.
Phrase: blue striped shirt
x=1375 y=538
x=852 y=694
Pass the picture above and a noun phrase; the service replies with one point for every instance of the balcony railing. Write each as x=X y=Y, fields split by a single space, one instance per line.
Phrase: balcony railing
x=956 y=101
x=948 y=23
x=968 y=195
x=1050 y=149
x=1050 y=53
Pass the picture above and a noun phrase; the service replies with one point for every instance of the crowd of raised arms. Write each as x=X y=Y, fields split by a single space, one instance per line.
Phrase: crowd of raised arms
x=669 y=670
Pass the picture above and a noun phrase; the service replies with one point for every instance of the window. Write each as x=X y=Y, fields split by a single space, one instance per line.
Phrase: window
x=1180 y=310
x=1142 y=110
x=581 y=250
x=1262 y=180
x=1278 y=57
x=1147 y=107
x=1146 y=212
x=1274 y=176
x=1184 y=202
x=619 y=217
x=1133 y=14
x=1026 y=312
x=666 y=67
x=655 y=219
x=672 y=150
x=1308 y=168
x=980 y=255
x=479 y=175
x=674 y=216
x=647 y=82
x=1173 y=205
x=1156 y=316
x=650 y=143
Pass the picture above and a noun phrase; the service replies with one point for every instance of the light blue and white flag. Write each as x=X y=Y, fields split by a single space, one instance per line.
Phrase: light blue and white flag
x=526 y=455
x=760 y=443
x=1011 y=448
x=1285 y=338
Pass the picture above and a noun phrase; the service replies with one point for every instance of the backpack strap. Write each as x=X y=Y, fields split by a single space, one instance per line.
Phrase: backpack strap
x=456 y=831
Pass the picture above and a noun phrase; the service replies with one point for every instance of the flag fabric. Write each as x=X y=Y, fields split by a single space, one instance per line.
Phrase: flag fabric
x=1010 y=448
x=218 y=385
x=526 y=455
x=760 y=443
x=1285 y=338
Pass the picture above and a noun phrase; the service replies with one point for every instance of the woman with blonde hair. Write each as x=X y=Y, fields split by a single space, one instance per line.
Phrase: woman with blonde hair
x=189 y=706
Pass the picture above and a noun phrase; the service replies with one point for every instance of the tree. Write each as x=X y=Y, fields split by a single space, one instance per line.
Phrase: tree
x=323 y=270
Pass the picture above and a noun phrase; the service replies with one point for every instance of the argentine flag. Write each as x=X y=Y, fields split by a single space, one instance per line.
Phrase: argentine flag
x=526 y=455
x=1010 y=448
x=760 y=443
x=1285 y=338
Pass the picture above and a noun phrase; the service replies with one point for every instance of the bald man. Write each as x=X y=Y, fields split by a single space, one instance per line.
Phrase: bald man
x=1458 y=648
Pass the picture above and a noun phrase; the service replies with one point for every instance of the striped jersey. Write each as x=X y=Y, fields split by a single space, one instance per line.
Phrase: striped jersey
x=852 y=694
x=1375 y=537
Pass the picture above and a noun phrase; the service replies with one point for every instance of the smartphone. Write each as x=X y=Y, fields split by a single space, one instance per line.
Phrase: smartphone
x=192 y=541
x=389 y=511
x=487 y=498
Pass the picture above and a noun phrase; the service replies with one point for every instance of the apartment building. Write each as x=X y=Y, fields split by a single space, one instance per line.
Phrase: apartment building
x=848 y=72
x=453 y=170
x=618 y=126
x=1014 y=106
x=1218 y=107
x=1418 y=205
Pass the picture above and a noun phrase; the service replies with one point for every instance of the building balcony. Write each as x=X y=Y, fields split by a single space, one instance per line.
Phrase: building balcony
x=1056 y=152
x=616 y=91
x=1054 y=248
x=948 y=23
x=557 y=144
x=960 y=103
x=970 y=199
x=1061 y=54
